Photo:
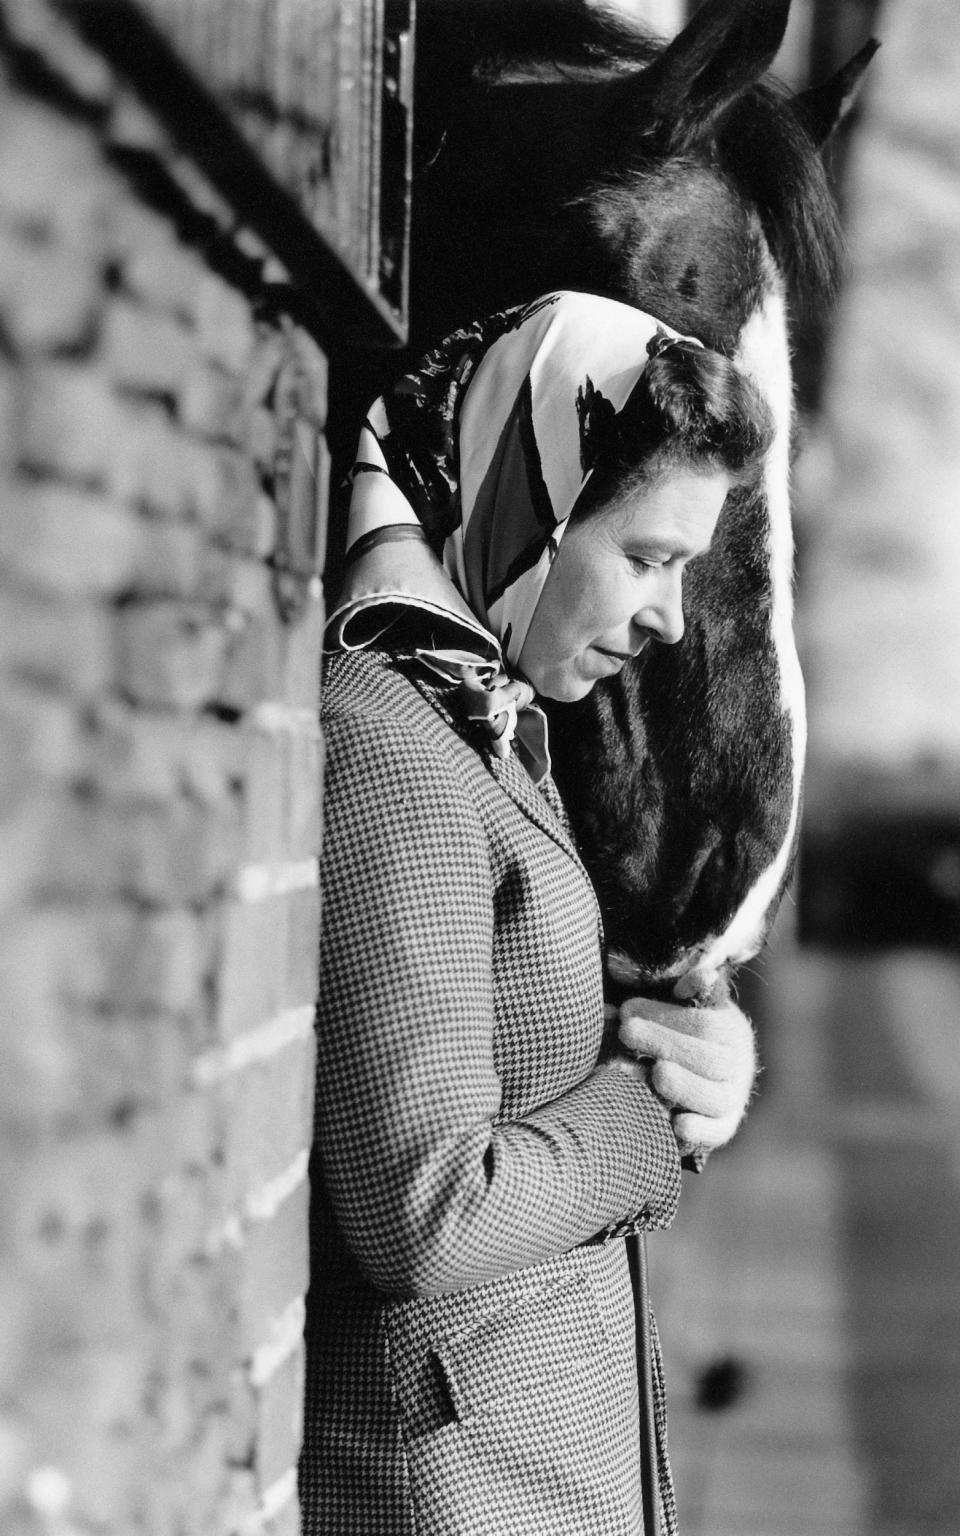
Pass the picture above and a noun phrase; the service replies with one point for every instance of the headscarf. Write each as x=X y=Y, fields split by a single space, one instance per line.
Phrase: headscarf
x=463 y=485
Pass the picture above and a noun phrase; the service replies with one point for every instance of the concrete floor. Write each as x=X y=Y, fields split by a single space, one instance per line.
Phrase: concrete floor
x=820 y=1254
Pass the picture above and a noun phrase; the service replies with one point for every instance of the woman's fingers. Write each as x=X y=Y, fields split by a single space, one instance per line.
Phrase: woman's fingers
x=704 y=1133
x=704 y=1064
x=712 y=1045
x=686 y=1090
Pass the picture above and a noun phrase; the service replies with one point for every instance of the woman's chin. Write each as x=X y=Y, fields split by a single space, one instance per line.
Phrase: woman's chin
x=566 y=690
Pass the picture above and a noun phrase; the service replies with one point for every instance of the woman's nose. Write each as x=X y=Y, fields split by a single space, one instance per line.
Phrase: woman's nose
x=663 y=617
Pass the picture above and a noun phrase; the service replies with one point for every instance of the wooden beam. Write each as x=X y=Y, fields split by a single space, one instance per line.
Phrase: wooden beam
x=337 y=306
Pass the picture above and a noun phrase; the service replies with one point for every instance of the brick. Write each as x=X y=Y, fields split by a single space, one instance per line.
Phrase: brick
x=300 y=681
x=269 y=659
x=35 y=1067
x=155 y=267
x=145 y=352
x=263 y=436
x=39 y=738
x=281 y=795
x=107 y=963
x=239 y=1503
x=153 y=758
x=68 y=645
x=173 y=560
x=251 y=588
x=254 y=663
x=263 y=797
x=242 y=1420
x=225 y=331
x=250 y=978
x=61 y=540
x=302 y=786
x=229 y=508
x=107 y=1466
x=25 y=844
x=192 y=1284
x=69 y=422
x=170 y=654
x=57 y=538
x=264 y=539
x=270 y=1117
x=275 y=1269
x=280 y=1421
x=271 y=351
x=129 y=756
x=121 y=1067
x=212 y=406
x=286 y=1522
x=51 y=295
x=77 y=1072
x=79 y=1231
x=94 y=1444
x=268 y=956
x=154 y=467
x=311 y=380
x=68 y=193
x=9 y=394
x=152 y=963
x=167 y=856
x=15 y=1457
x=303 y=949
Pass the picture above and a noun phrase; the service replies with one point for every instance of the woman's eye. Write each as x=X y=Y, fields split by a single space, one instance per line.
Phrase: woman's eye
x=646 y=563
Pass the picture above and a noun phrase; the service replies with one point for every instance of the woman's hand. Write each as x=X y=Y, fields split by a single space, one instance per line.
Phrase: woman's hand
x=704 y=1064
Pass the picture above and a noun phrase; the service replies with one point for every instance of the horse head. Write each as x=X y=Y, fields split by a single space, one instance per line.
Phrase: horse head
x=560 y=147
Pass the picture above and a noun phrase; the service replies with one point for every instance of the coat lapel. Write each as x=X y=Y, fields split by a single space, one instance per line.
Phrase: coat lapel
x=515 y=781
x=508 y=772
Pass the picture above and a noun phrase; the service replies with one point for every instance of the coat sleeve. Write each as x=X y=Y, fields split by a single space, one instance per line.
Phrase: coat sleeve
x=429 y=1193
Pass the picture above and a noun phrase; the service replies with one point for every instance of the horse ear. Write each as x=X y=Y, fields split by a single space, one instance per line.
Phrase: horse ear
x=725 y=48
x=822 y=108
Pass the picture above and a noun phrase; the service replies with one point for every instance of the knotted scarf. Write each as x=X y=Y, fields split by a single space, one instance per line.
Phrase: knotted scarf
x=465 y=478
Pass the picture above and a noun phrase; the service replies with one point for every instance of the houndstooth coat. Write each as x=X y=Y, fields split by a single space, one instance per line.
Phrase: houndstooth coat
x=470 y=1337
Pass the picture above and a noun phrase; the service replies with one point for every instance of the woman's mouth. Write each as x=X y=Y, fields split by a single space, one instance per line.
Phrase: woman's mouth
x=616 y=658
x=620 y=657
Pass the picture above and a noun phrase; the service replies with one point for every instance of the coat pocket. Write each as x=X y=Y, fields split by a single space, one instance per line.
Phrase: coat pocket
x=510 y=1351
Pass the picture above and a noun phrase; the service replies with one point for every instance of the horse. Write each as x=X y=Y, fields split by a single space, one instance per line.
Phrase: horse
x=558 y=146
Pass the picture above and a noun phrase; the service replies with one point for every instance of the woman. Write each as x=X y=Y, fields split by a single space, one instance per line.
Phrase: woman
x=522 y=511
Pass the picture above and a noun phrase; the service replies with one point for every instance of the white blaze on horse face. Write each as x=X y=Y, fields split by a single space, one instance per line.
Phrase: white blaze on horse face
x=617 y=582
x=764 y=355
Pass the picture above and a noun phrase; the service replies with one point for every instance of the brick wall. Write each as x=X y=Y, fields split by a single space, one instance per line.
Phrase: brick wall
x=159 y=823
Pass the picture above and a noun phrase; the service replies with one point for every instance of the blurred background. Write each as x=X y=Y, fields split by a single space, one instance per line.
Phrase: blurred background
x=197 y=202
x=810 y=1293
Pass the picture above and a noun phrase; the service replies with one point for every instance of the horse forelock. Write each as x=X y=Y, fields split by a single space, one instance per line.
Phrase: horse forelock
x=684 y=242
x=763 y=146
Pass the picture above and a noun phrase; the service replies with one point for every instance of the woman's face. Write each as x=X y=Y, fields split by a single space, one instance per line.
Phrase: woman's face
x=616 y=582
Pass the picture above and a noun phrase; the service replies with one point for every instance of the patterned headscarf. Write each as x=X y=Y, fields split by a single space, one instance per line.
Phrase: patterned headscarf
x=464 y=482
